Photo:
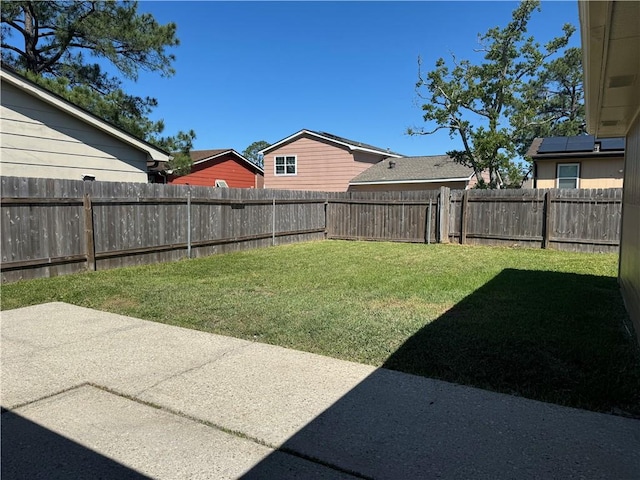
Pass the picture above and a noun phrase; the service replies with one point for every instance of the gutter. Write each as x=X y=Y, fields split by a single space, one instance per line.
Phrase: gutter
x=589 y=155
x=433 y=180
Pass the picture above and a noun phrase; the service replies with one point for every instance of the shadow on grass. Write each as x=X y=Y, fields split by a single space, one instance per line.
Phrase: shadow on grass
x=30 y=451
x=555 y=337
x=548 y=336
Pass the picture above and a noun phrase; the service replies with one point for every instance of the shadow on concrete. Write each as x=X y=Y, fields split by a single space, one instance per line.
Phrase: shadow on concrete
x=519 y=333
x=30 y=451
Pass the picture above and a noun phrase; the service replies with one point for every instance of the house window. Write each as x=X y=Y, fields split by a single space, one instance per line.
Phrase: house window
x=286 y=165
x=568 y=175
x=222 y=183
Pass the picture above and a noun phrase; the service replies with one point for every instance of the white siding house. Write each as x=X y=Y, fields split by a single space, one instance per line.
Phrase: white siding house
x=44 y=136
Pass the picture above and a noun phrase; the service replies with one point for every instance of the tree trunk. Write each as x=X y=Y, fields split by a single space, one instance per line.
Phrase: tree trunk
x=30 y=39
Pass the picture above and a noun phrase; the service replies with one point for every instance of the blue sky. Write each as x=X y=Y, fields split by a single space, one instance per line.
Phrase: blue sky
x=249 y=71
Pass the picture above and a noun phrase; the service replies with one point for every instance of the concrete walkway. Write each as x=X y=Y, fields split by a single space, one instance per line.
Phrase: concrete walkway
x=90 y=394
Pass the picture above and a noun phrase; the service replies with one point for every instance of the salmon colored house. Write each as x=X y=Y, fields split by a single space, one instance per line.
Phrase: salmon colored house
x=221 y=168
x=309 y=160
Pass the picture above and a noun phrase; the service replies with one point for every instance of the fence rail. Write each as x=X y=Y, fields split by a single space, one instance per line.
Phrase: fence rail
x=55 y=227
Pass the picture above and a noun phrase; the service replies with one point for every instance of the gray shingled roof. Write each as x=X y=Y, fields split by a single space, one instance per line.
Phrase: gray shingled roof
x=435 y=167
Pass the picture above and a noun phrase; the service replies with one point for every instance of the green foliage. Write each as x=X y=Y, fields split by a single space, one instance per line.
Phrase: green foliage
x=57 y=33
x=252 y=152
x=56 y=38
x=552 y=104
x=496 y=107
x=179 y=145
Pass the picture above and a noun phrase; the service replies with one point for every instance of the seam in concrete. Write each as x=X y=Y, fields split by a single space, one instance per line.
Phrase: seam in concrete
x=46 y=397
x=178 y=413
x=235 y=433
x=38 y=348
x=194 y=368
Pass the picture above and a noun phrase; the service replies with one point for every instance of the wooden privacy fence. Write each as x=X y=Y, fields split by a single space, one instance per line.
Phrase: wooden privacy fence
x=384 y=216
x=55 y=227
x=586 y=220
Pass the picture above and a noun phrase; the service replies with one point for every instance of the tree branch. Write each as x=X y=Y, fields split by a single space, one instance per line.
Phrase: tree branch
x=431 y=132
x=15 y=25
x=11 y=47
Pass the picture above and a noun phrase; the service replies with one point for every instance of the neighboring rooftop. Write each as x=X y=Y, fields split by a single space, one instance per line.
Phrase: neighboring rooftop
x=351 y=144
x=200 y=156
x=414 y=170
x=580 y=145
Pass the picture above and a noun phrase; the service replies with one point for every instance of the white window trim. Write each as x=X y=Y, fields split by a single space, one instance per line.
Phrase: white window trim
x=285 y=174
x=567 y=165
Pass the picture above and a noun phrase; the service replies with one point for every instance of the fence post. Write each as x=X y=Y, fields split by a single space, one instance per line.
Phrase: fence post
x=428 y=233
x=442 y=212
x=326 y=206
x=464 y=217
x=189 y=223
x=546 y=220
x=88 y=232
x=273 y=223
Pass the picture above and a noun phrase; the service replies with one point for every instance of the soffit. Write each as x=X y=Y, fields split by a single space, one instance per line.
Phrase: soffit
x=611 y=53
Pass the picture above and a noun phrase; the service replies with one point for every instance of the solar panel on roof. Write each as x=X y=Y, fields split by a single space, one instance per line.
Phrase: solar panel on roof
x=609 y=144
x=582 y=143
x=553 y=144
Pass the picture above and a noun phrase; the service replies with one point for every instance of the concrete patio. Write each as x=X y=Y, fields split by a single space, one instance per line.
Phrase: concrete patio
x=97 y=395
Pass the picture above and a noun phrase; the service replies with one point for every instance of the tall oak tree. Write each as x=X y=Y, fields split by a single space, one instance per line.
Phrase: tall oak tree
x=497 y=106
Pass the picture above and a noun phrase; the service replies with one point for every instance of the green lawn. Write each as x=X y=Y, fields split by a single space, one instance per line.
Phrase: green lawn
x=537 y=323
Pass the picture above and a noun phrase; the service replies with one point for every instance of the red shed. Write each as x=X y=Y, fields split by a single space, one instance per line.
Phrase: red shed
x=224 y=166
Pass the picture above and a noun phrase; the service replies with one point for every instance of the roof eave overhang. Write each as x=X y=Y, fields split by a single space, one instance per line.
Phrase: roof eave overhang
x=212 y=157
x=430 y=180
x=368 y=150
x=153 y=153
x=332 y=140
x=590 y=156
x=233 y=152
x=610 y=35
